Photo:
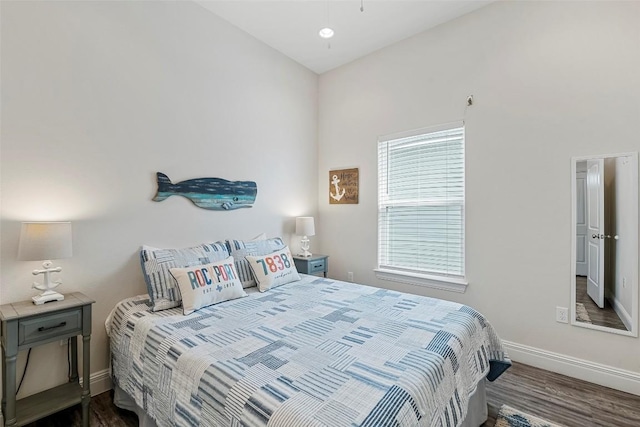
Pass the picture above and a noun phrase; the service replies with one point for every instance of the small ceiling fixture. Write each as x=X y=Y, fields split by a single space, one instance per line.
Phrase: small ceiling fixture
x=326 y=33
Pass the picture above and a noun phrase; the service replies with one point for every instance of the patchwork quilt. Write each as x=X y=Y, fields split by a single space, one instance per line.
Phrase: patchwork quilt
x=316 y=352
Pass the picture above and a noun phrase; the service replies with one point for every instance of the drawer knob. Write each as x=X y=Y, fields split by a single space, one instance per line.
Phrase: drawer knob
x=59 y=325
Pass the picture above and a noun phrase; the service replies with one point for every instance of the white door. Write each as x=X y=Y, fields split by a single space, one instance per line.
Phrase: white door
x=581 y=224
x=595 y=231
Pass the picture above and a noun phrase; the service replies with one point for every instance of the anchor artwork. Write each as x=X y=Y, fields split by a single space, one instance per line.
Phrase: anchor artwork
x=343 y=186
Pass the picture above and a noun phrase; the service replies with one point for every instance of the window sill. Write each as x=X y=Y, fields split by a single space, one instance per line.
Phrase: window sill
x=436 y=282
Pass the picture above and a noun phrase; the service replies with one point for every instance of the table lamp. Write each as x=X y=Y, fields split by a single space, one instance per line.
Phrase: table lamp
x=45 y=241
x=305 y=227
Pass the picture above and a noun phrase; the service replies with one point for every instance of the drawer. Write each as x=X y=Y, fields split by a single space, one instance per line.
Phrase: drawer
x=49 y=326
x=317 y=265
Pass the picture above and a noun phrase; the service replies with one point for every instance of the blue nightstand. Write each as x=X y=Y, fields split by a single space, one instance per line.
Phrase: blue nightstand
x=311 y=265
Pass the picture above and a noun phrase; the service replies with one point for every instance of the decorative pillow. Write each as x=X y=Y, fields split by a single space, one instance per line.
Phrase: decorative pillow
x=239 y=249
x=274 y=269
x=208 y=284
x=161 y=286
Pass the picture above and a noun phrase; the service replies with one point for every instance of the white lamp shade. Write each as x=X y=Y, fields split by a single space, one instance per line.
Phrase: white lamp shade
x=41 y=241
x=305 y=226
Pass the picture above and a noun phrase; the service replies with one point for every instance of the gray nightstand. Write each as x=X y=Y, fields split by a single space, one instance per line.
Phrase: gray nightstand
x=311 y=265
x=25 y=325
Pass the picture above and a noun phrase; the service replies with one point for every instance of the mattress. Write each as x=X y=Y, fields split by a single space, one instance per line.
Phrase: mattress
x=316 y=352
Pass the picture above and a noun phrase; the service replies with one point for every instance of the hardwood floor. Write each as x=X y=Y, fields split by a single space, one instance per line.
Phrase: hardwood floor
x=102 y=412
x=606 y=316
x=555 y=397
x=560 y=399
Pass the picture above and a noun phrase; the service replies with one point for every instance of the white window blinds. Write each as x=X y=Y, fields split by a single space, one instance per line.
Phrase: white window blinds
x=421 y=203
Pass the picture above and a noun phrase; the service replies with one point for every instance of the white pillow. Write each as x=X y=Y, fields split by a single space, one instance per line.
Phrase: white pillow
x=274 y=269
x=208 y=284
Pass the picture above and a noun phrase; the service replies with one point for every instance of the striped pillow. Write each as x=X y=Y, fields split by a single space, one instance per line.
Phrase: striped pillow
x=239 y=249
x=161 y=285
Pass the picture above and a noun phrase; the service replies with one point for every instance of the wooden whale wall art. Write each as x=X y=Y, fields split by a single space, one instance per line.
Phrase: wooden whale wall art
x=209 y=193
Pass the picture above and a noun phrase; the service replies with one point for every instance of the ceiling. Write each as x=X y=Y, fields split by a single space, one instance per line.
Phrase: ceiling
x=292 y=26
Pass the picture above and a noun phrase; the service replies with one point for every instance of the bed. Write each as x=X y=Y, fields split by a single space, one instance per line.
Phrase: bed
x=315 y=352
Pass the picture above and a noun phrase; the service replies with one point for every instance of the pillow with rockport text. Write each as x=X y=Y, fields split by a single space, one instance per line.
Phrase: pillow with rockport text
x=273 y=270
x=208 y=284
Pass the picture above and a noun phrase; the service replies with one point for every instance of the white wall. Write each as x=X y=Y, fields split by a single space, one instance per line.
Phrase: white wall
x=99 y=96
x=551 y=80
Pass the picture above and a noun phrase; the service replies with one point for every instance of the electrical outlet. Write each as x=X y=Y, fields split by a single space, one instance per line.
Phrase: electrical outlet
x=562 y=314
x=624 y=282
x=350 y=276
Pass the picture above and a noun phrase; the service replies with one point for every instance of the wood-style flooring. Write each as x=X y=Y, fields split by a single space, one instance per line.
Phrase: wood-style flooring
x=551 y=396
x=606 y=316
x=561 y=399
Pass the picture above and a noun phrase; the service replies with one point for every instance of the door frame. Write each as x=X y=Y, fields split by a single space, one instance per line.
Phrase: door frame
x=634 y=258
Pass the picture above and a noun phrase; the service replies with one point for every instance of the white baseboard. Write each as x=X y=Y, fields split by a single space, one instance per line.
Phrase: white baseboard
x=597 y=373
x=99 y=382
x=622 y=313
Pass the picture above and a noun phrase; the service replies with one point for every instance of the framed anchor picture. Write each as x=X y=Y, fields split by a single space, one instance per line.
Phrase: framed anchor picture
x=343 y=187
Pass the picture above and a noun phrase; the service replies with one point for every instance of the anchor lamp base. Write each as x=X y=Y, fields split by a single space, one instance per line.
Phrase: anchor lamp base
x=47 y=285
x=47 y=296
x=304 y=245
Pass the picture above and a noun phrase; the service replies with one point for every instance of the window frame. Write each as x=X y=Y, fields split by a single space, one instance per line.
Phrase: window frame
x=449 y=282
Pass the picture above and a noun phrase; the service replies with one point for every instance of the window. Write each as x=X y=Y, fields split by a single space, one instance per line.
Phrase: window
x=421 y=207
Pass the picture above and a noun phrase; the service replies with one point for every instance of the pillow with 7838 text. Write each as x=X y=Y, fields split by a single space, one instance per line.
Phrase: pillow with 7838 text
x=273 y=270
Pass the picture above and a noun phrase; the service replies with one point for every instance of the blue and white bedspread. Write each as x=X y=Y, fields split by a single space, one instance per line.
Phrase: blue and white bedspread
x=316 y=352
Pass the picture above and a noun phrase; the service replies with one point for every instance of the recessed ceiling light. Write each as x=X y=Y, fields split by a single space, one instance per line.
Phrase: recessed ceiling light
x=326 y=33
